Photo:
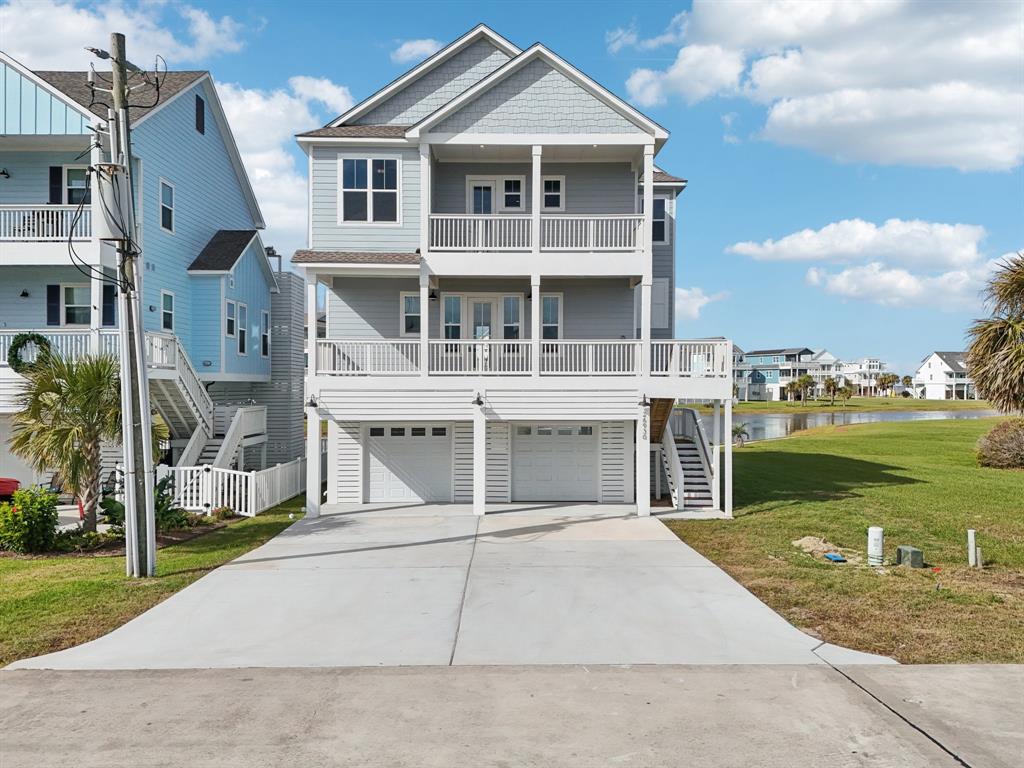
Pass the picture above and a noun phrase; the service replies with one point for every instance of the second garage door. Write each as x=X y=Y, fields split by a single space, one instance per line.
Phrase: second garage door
x=409 y=462
x=555 y=462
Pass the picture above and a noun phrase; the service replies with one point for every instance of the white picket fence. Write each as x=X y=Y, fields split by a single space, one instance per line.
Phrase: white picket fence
x=206 y=488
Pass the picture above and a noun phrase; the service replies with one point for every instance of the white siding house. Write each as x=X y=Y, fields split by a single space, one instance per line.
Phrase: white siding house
x=944 y=376
x=496 y=246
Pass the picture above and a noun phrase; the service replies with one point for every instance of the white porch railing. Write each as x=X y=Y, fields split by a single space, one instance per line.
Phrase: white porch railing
x=468 y=232
x=70 y=344
x=697 y=359
x=44 y=223
x=246 y=422
x=205 y=488
x=589 y=358
x=590 y=233
x=367 y=358
x=164 y=351
x=477 y=356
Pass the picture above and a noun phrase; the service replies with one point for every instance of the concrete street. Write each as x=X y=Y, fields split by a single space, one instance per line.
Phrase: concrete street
x=566 y=716
x=436 y=585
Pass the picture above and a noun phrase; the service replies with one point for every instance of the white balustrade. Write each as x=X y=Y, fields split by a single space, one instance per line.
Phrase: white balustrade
x=468 y=232
x=45 y=223
x=589 y=358
x=69 y=344
x=206 y=488
x=691 y=359
x=480 y=356
x=560 y=232
x=367 y=358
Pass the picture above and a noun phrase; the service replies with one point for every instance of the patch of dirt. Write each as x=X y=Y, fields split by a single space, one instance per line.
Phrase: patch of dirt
x=817 y=547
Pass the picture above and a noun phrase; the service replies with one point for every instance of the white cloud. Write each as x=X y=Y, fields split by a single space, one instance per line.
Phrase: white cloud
x=51 y=34
x=622 y=37
x=898 y=82
x=264 y=124
x=415 y=50
x=690 y=301
x=949 y=291
x=911 y=242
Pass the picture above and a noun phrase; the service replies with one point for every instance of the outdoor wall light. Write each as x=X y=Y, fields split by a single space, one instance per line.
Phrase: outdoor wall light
x=644 y=402
x=5 y=173
x=312 y=401
x=207 y=363
x=433 y=295
x=23 y=294
x=478 y=400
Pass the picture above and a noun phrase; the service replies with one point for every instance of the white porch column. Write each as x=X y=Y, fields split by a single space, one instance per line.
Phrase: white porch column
x=313 y=479
x=642 y=479
x=96 y=316
x=728 y=457
x=424 y=324
x=645 y=327
x=311 y=363
x=536 y=187
x=479 y=462
x=426 y=193
x=648 y=251
x=535 y=323
x=716 y=452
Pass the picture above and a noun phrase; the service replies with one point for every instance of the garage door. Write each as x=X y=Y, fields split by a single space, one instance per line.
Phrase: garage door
x=555 y=462
x=11 y=465
x=409 y=462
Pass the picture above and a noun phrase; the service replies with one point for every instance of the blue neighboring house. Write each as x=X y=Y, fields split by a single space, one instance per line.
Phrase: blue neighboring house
x=223 y=326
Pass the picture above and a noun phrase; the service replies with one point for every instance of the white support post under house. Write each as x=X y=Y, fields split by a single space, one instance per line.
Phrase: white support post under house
x=536 y=188
x=313 y=480
x=728 y=458
x=424 y=324
x=479 y=461
x=96 y=316
x=716 y=462
x=643 y=462
x=535 y=324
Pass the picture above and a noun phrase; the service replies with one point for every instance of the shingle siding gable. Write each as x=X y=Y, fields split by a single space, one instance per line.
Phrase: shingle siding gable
x=536 y=99
x=437 y=87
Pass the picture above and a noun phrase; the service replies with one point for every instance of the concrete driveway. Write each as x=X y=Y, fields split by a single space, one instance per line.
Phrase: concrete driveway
x=435 y=585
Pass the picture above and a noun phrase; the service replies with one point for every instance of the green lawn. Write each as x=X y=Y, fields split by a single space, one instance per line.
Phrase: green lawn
x=50 y=603
x=863 y=404
x=921 y=483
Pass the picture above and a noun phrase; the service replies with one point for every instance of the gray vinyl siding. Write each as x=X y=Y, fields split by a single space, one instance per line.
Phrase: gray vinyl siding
x=536 y=99
x=369 y=307
x=437 y=87
x=664 y=266
x=328 y=234
x=589 y=187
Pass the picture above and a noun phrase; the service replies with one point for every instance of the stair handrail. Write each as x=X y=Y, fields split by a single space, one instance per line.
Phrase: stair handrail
x=166 y=351
x=237 y=430
x=670 y=459
x=693 y=428
x=194 y=447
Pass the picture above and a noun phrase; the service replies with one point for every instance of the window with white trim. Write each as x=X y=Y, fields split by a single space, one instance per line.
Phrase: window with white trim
x=166 y=311
x=77 y=303
x=76 y=185
x=243 y=329
x=659 y=219
x=511 y=317
x=553 y=193
x=166 y=206
x=512 y=193
x=265 y=333
x=410 y=314
x=230 y=319
x=453 y=317
x=369 y=190
x=551 y=316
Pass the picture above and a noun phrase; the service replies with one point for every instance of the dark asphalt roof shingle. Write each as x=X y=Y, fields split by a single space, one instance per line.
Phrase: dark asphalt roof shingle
x=354 y=257
x=75 y=85
x=660 y=177
x=957 y=361
x=357 y=132
x=223 y=250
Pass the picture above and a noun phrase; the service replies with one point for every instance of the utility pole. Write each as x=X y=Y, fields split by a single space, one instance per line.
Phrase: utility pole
x=136 y=422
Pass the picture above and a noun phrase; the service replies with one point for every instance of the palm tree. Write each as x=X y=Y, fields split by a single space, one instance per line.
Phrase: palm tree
x=740 y=434
x=845 y=393
x=68 y=408
x=907 y=382
x=792 y=389
x=804 y=383
x=995 y=359
x=831 y=387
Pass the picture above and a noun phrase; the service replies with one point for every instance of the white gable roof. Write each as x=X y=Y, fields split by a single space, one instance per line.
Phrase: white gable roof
x=479 y=32
x=534 y=53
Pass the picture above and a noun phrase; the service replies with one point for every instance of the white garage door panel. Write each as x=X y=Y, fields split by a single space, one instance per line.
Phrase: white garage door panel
x=555 y=462
x=11 y=465
x=409 y=462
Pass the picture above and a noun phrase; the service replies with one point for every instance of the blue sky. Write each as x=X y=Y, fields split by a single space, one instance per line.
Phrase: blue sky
x=782 y=121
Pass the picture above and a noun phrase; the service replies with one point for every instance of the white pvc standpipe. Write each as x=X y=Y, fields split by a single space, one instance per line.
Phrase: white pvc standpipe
x=876 y=545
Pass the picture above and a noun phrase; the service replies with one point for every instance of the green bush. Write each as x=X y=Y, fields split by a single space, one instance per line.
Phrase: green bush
x=222 y=513
x=168 y=516
x=29 y=522
x=77 y=540
x=1003 y=446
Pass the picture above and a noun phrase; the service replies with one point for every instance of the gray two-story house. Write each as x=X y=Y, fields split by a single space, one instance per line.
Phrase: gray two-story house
x=497 y=248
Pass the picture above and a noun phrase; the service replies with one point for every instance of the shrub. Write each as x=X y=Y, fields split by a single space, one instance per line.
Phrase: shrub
x=77 y=540
x=222 y=513
x=169 y=517
x=1003 y=446
x=29 y=522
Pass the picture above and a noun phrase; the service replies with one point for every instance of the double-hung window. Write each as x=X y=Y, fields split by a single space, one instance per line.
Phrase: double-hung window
x=453 y=317
x=410 y=314
x=76 y=185
x=554 y=193
x=166 y=310
x=369 y=190
x=512 y=194
x=166 y=206
x=77 y=304
x=551 y=317
x=512 y=317
x=230 y=319
x=243 y=329
x=659 y=219
x=265 y=333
